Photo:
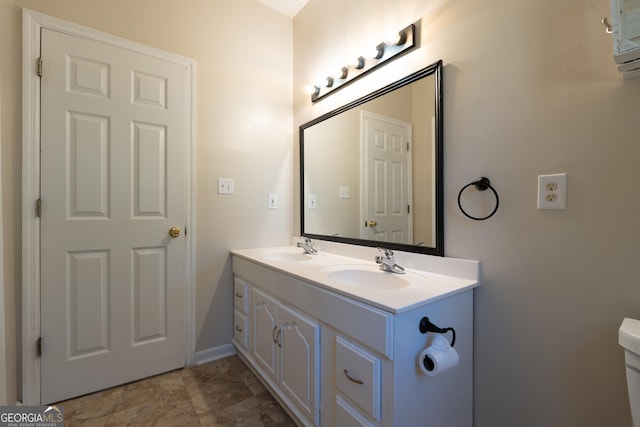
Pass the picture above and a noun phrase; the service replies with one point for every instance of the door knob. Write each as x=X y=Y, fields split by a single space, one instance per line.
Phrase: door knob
x=372 y=223
x=174 y=231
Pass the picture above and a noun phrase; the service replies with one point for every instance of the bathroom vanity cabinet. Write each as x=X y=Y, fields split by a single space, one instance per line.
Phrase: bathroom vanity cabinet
x=286 y=344
x=333 y=358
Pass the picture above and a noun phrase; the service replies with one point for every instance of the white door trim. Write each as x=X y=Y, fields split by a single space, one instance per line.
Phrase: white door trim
x=32 y=22
x=4 y=387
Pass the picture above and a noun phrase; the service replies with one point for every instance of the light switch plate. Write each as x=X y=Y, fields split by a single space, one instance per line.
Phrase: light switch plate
x=343 y=192
x=273 y=201
x=312 y=202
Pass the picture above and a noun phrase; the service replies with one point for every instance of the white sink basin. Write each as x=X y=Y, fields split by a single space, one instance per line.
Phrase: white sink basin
x=370 y=277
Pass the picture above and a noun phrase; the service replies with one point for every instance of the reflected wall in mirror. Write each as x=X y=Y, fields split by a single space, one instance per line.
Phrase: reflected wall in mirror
x=371 y=171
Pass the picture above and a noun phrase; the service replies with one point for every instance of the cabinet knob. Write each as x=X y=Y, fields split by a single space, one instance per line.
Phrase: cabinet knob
x=238 y=328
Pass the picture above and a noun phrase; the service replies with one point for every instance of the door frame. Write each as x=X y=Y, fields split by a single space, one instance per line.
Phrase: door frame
x=32 y=23
x=4 y=386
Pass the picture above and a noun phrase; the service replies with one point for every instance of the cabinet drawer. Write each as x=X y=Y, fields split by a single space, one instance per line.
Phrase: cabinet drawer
x=241 y=295
x=347 y=416
x=358 y=376
x=241 y=328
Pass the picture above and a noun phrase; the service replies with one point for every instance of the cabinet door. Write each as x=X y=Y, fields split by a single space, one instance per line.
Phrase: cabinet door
x=299 y=366
x=265 y=325
x=625 y=17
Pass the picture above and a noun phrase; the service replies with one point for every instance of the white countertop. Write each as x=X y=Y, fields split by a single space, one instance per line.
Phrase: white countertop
x=416 y=288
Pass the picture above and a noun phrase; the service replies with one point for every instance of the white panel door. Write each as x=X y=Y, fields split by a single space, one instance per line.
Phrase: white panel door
x=386 y=170
x=113 y=184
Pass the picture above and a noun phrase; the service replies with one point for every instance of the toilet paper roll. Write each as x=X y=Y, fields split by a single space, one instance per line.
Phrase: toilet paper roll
x=438 y=357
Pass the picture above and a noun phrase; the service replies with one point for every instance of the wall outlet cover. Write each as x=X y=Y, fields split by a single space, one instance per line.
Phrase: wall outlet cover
x=552 y=191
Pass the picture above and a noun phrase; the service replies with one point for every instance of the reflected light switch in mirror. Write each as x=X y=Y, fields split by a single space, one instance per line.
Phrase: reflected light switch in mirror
x=344 y=192
x=312 y=202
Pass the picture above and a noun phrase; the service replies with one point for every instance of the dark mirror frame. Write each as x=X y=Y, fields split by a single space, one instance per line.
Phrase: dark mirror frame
x=434 y=69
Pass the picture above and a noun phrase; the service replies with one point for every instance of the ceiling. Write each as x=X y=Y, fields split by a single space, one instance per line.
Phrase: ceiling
x=287 y=7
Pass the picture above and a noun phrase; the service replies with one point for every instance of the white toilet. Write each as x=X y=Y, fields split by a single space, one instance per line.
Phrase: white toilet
x=629 y=338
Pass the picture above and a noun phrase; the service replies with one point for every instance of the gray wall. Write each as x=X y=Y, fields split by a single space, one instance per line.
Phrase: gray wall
x=243 y=110
x=530 y=88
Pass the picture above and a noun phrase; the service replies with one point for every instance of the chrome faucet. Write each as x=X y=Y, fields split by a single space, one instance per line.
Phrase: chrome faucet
x=388 y=262
x=307 y=246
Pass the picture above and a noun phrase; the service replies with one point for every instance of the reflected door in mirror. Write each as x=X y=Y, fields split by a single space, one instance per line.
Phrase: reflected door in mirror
x=386 y=177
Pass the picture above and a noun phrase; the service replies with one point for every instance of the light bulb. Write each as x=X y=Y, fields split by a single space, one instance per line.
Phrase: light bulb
x=312 y=90
x=396 y=38
x=376 y=52
x=356 y=62
x=342 y=73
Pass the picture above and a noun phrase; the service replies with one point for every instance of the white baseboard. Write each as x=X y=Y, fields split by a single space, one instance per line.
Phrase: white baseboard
x=214 y=353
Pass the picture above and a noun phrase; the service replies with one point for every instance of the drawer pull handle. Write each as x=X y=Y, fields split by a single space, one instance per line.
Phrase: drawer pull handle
x=346 y=373
x=238 y=294
x=238 y=328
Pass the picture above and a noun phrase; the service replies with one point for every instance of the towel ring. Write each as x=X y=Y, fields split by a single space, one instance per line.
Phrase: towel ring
x=481 y=184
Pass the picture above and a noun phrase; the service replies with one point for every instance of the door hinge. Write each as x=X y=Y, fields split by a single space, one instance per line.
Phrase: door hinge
x=407 y=146
x=39 y=208
x=408 y=209
x=39 y=346
x=40 y=67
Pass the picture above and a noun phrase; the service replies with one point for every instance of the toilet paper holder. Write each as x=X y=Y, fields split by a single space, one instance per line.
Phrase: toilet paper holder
x=426 y=326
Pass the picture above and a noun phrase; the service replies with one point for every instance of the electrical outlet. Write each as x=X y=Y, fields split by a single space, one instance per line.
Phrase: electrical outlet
x=552 y=191
x=225 y=185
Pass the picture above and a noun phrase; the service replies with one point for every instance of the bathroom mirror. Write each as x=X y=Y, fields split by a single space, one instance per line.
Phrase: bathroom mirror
x=371 y=170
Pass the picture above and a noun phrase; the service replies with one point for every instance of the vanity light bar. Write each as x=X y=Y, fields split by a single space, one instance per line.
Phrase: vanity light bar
x=394 y=45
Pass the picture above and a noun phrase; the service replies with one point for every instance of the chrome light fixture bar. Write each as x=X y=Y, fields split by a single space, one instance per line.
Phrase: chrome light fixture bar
x=394 y=46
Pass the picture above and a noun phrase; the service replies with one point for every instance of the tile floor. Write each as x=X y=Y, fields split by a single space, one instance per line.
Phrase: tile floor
x=223 y=393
